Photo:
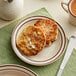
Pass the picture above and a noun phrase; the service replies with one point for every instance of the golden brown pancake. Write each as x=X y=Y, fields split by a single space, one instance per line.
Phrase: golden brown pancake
x=50 y=29
x=31 y=41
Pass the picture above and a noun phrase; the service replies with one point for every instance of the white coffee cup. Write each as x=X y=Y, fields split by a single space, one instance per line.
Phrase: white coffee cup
x=67 y=7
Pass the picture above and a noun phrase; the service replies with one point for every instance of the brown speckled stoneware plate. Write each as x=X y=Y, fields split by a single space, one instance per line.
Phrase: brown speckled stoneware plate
x=49 y=54
x=15 y=70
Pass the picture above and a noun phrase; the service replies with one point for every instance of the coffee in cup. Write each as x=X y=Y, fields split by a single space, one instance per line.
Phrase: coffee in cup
x=73 y=7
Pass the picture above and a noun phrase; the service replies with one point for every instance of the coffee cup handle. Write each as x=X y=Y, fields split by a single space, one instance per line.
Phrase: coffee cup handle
x=64 y=6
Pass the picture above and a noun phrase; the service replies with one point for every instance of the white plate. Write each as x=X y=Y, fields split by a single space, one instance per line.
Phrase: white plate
x=47 y=55
x=15 y=70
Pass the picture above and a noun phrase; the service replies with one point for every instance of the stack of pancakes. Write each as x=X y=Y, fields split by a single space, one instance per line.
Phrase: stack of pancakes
x=34 y=38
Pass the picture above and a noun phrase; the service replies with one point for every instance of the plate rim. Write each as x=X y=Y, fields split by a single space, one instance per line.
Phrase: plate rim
x=38 y=61
x=17 y=66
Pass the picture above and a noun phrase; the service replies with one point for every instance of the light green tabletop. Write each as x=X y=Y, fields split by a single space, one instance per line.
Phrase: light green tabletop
x=7 y=55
